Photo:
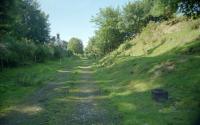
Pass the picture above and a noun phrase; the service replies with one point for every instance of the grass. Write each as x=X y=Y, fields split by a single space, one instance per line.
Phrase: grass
x=157 y=39
x=51 y=101
x=61 y=101
x=18 y=83
x=163 y=56
x=132 y=79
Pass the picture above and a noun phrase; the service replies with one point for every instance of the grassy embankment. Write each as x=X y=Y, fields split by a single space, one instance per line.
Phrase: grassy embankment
x=165 y=55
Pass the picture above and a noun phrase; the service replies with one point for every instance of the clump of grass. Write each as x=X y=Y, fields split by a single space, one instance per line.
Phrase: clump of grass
x=26 y=79
x=195 y=25
x=125 y=46
x=194 y=49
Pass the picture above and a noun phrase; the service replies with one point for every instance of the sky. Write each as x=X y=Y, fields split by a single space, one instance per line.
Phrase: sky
x=72 y=18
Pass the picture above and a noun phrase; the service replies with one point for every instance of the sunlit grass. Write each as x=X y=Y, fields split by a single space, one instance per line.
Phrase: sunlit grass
x=166 y=58
x=128 y=85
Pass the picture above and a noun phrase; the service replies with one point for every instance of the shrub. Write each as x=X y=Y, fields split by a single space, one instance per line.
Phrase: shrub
x=41 y=53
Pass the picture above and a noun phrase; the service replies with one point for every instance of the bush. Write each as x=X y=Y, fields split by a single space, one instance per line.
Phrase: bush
x=58 y=52
x=9 y=47
x=41 y=53
x=23 y=51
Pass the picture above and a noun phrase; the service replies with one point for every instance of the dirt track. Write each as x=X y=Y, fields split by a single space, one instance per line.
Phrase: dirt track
x=64 y=102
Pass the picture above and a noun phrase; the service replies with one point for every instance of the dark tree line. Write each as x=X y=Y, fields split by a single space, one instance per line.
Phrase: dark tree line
x=25 y=35
x=114 y=26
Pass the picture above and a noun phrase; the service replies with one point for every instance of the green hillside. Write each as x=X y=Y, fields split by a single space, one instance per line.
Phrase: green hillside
x=165 y=55
x=161 y=38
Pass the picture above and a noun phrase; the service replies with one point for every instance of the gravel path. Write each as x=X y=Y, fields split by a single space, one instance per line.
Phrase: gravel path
x=89 y=108
x=65 y=102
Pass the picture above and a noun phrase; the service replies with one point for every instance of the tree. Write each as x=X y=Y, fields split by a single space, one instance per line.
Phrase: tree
x=7 y=16
x=134 y=16
x=31 y=22
x=168 y=7
x=92 y=49
x=108 y=36
x=190 y=8
x=24 y=34
x=75 y=45
x=115 y=26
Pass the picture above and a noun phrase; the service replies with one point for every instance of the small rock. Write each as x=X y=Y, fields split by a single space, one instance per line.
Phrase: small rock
x=159 y=95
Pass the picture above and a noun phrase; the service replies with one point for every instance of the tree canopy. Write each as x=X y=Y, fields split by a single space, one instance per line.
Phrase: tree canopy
x=25 y=34
x=75 y=45
x=114 y=25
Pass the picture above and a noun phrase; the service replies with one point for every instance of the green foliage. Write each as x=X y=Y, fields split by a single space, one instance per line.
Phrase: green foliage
x=92 y=49
x=75 y=45
x=7 y=11
x=41 y=53
x=167 y=8
x=134 y=17
x=31 y=22
x=23 y=18
x=24 y=52
x=24 y=35
x=157 y=38
x=158 y=57
x=108 y=37
x=164 y=8
x=190 y=8
x=116 y=26
x=60 y=52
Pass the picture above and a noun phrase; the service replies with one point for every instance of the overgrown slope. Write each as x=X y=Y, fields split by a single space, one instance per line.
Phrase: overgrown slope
x=160 y=38
x=165 y=55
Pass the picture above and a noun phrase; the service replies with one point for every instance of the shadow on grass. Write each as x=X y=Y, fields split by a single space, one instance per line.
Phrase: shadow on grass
x=132 y=79
x=69 y=99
